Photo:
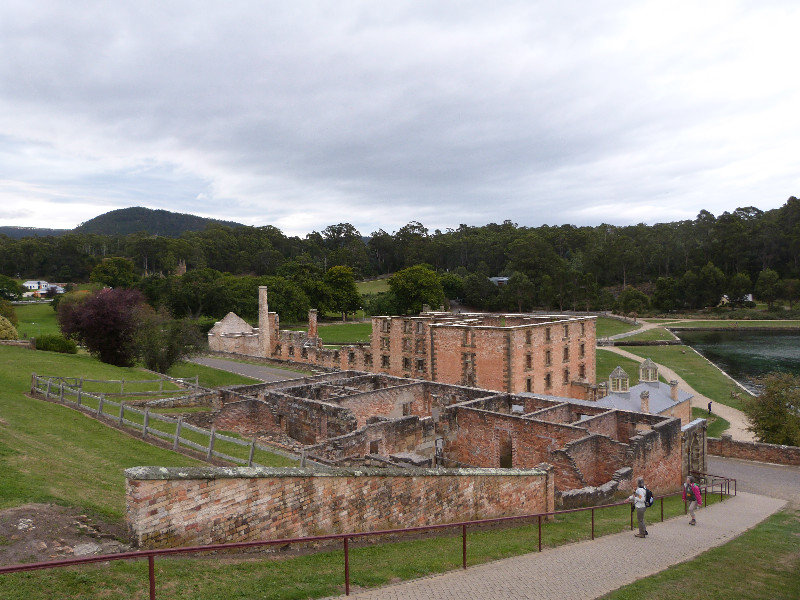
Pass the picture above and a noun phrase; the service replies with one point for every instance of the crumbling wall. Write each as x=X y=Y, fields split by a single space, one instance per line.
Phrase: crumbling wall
x=656 y=456
x=168 y=507
x=770 y=453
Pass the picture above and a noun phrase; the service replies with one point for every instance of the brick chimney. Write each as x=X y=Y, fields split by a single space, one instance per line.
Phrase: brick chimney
x=645 y=396
x=312 y=323
x=264 y=333
x=673 y=390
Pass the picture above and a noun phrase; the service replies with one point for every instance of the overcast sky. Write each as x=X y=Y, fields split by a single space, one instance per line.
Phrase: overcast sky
x=303 y=114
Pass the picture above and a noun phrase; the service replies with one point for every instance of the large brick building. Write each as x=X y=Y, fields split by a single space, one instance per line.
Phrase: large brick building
x=545 y=354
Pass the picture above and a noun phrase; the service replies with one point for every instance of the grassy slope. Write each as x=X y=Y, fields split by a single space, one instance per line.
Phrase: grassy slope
x=763 y=563
x=657 y=334
x=49 y=453
x=373 y=287
x=696 y=370
x=314 y=575
x=209 y=377
x=607 y=327
x=607 y=361
x=36 y=319
x=716 y=424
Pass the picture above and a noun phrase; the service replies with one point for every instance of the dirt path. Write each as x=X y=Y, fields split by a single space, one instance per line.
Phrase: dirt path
x=736 y=418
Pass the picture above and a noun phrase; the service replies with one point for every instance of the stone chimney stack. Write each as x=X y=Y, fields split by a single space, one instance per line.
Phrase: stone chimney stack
x=264 y=330
x=645 y=396
x=312 y=323
x=673 y=390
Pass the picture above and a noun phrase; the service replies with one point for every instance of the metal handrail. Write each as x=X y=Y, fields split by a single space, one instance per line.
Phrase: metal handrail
x=345 y=537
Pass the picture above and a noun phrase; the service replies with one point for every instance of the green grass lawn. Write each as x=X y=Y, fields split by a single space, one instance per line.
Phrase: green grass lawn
x=607 y=327
x=696 y=370
x=36 y=319
x=741 y=324
x=319 y=574
x=716 y=424
x=50 y=453
x=651 y=335
x=375 y=286
x=761 y=564
x=607 y=361
x=209 y=377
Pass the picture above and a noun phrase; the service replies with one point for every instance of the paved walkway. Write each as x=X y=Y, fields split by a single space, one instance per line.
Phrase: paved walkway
x=592 y=568
x=262 y=372
x=778 y=481
x=736 y=418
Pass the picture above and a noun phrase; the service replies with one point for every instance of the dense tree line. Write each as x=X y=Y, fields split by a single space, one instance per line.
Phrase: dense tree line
x=683 y=264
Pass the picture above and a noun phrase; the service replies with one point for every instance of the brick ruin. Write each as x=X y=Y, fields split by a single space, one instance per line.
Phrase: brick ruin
x=207 y=505
x=354 y=418
x=543 y=354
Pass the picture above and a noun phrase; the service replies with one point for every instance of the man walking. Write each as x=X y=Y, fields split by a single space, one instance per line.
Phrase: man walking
x=691 y=494
x=639 y=503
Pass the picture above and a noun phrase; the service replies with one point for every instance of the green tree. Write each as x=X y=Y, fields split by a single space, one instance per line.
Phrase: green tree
x=775 y=414
x=7 y=311
x=10 y=289
x=666 y=296
x=415 y=286
x=452 y=285
x=768 y=286
x=161 y=341
x=632 y=301
x=115 y=272
x=344 y=297
x=7 y=330
x=790 y=291
x=711 y=283
x=738 y=287
x=519 y=291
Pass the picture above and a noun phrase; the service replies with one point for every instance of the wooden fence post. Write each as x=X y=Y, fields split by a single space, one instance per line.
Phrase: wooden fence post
x=178 y=434
x=33 y=382
x=252 y=452
x=61 y=392
x=121 y=413
x=122 y=387
x=210 y=454
x=146 y=421
x=80 y=391
x=100 y=404
x=47 y=392
x=161 y=385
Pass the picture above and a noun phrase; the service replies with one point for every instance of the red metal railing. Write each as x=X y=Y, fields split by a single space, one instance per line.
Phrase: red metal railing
x=724 y=484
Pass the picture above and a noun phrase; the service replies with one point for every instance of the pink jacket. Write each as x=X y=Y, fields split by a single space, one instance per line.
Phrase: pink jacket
x=696 y=492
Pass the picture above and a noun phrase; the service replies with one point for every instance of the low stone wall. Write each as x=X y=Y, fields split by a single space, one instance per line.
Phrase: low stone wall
x=771 y=453
x=30 y=344
x=169 y=507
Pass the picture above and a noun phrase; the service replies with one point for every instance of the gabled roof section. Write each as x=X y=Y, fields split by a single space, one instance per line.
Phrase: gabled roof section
x=619 y=373
x=231 y=323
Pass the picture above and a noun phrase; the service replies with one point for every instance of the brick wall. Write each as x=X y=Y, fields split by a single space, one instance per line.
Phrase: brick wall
x=771 y=453
x=656 y=455
x=168 y=507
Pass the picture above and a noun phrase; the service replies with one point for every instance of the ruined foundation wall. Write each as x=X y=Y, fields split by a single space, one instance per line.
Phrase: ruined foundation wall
x=757 y=451
x=204 y=505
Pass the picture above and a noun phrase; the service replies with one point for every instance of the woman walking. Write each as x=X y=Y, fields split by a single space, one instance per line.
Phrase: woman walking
x=691 y=494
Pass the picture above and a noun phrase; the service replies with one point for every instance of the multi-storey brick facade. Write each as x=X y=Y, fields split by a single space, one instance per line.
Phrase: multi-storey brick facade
x=552 y=354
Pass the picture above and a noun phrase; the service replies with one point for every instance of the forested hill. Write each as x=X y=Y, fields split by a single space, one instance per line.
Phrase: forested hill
x=16 y=233
x=157 y=222
x=702 y=257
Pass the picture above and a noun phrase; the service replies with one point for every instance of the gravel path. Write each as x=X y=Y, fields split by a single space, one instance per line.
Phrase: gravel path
x=592 y=568
x=262 y=372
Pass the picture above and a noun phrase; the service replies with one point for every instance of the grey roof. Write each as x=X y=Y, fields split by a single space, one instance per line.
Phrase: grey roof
x=660 y=398
x=618 y=373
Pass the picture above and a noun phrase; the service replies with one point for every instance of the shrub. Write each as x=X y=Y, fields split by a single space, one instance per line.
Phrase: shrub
x=7 y=311
x=7 y=330
x=56 y=343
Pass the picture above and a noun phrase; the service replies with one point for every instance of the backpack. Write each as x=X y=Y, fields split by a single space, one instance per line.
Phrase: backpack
x=649 y=499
